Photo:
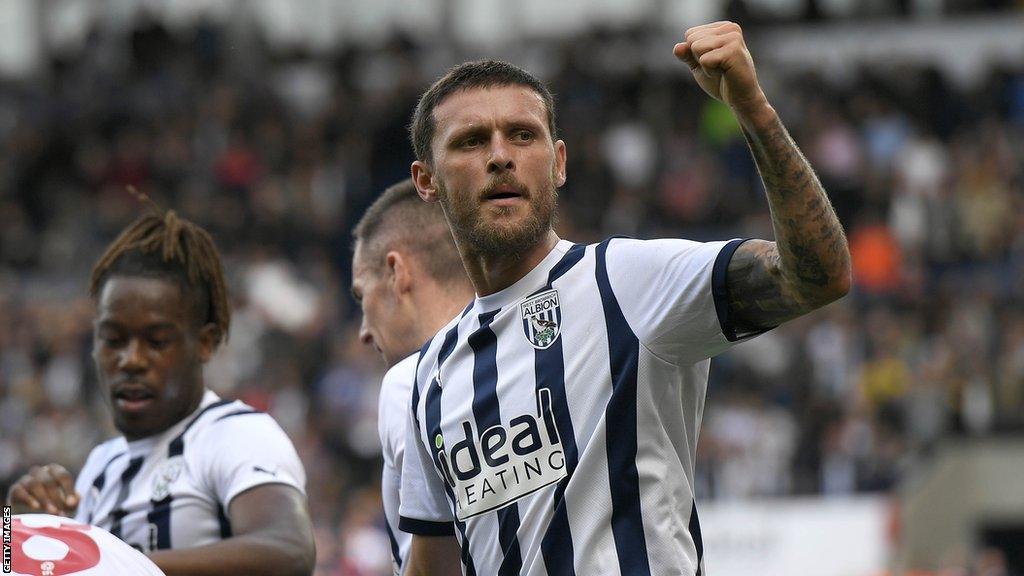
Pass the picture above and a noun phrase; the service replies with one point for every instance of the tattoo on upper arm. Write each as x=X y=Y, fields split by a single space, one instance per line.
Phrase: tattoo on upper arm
x=757 y=295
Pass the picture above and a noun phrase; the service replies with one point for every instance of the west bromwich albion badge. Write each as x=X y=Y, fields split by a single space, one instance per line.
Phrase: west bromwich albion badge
x=165 y=476
x=541 y=319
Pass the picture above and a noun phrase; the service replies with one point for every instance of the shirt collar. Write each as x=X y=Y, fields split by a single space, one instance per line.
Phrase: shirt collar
x=526 y=285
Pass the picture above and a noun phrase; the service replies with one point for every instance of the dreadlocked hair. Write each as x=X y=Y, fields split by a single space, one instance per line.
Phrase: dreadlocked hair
x=168 y=247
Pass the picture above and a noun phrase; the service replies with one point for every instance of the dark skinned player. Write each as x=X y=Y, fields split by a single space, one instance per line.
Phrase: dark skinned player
x=200 y=484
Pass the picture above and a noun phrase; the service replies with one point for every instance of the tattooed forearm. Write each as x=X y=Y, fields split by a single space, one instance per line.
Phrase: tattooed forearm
x=809 y=263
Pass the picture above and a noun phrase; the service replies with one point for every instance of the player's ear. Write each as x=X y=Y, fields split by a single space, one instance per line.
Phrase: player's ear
x=423 y=178
x=209 y=339
x=560 y=175
x=399 y=274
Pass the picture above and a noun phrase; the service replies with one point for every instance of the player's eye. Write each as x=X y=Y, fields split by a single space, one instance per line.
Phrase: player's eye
x=523 y=136
x=159 y=343
x=113 y=340
x=471 y=142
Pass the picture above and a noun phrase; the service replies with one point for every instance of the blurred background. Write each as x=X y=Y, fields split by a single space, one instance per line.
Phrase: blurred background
x=882 y=434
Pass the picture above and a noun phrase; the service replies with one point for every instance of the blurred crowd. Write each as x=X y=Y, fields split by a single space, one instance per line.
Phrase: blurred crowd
x=278 y=155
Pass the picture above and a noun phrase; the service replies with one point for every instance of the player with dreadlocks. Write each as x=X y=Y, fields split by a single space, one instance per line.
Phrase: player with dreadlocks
x=200 y=484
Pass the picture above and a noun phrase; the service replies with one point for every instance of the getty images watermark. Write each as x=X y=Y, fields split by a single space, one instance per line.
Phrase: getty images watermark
x=7 y=540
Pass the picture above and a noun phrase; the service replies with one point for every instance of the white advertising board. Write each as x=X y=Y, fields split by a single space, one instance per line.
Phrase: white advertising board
x=796 y=537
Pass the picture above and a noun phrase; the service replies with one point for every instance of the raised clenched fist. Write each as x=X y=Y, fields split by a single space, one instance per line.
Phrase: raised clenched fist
x=718 y=57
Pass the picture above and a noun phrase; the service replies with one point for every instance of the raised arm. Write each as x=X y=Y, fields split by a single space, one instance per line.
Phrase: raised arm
x=808 y=265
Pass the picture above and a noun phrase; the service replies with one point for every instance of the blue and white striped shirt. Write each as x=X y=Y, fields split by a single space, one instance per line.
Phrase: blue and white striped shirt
x=556 y=422
x=174 y=490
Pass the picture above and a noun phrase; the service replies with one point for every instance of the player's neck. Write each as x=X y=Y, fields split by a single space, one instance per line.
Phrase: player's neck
x=436 y=304
x=493 y=273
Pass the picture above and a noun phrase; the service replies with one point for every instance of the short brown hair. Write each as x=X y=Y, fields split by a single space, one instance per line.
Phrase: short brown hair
x=400 y=219
x=479 y=74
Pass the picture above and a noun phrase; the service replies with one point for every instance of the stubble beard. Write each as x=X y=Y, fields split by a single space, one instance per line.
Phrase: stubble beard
x=489 y=239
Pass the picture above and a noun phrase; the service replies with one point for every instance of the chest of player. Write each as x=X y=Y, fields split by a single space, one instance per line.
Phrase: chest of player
x=155 y=504
x=520 y=395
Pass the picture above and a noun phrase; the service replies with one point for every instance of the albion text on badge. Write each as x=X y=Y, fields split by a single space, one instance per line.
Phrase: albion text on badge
x=541 y=319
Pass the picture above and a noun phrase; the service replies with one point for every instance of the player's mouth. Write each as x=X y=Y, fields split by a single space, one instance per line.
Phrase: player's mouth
x=504 y=194
x=133 y=398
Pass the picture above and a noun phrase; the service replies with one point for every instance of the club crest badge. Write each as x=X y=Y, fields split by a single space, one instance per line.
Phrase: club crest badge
x=166 y=476
x=542 y=319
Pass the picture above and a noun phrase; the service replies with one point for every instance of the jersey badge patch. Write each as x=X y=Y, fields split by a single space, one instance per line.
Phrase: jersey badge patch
x=542 y=319
x=165 y=476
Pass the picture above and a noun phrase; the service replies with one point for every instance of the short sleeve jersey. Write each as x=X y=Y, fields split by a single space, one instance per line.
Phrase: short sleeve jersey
x=556 y=421
x=45 y=545
x=393 y=410
x=174 y=490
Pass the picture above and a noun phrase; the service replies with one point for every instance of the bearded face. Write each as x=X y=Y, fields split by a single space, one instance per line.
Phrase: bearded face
x=494 y=223
x=496 y=169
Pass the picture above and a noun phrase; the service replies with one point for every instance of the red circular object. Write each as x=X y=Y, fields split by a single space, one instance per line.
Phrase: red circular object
x=83 y=551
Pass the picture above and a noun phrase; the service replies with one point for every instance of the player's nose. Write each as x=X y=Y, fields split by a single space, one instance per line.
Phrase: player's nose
x=132 y=357
x=501 y=156
x=364 y=334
